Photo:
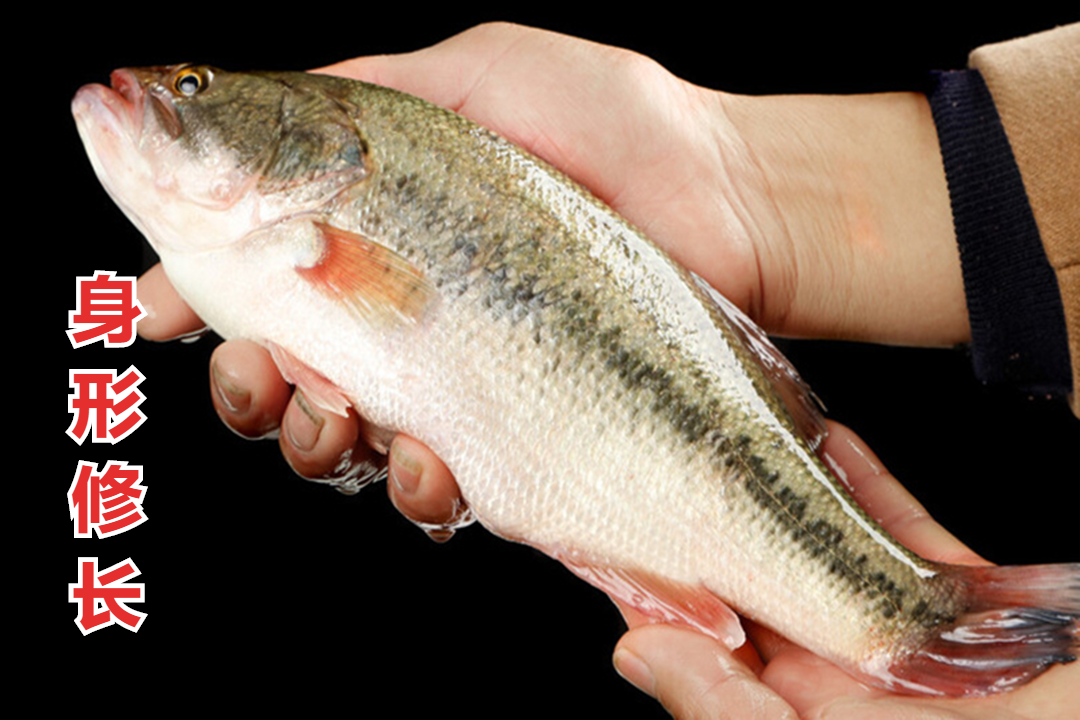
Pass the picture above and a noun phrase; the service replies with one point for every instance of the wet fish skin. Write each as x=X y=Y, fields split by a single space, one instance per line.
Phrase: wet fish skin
x=629 y=422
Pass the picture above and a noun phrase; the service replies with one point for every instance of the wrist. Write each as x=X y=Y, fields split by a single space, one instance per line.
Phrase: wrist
x=854 y=195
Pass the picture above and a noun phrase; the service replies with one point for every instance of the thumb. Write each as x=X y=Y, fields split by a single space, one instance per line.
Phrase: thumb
x=694 y=676
x=447 y=73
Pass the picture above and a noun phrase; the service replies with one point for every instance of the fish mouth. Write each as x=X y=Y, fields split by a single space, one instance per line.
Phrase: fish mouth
x=127 y=85
x=110 y=124
x=111 y=113
x=121 y=108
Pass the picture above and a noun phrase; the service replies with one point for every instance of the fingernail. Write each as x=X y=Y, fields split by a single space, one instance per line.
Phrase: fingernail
x=234 y=397
x=303 y=430
x=635 y=671
x=404 y=469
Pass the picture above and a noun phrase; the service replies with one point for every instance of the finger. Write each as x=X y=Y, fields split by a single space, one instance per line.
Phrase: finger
x=888 y=502
x=768 y=643
x=511 y=79
x=694 y=676
x=746 y=653
x=446 y=73
x=421 y=486
x=247 y=390
x=322 y=445
x=167 y=315
x=810 y=683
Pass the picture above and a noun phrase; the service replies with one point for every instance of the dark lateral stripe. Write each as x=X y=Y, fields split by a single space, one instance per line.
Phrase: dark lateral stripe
x=819 y=537
x=1018 y=331
x=700 y=420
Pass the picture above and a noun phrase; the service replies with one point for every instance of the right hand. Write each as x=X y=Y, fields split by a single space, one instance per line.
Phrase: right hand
x=770 y=678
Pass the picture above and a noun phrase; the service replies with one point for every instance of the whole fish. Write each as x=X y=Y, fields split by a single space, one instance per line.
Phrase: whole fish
x=592 y=398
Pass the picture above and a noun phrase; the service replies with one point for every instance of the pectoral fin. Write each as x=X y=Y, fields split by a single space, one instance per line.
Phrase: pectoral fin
x=374 y=282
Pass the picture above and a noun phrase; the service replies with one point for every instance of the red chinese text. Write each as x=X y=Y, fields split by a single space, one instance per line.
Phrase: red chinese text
x=109 y=503
x=105 y=406
x=105 y=309
x=103 y=597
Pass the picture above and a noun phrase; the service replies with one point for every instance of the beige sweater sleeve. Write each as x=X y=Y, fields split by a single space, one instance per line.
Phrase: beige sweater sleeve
x=1035 y=83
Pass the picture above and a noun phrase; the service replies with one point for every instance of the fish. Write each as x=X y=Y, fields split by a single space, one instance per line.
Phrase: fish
x=592 y=398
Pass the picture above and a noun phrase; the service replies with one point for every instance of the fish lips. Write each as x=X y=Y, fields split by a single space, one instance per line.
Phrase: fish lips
x=121 y=108
x=108 y=111
x=108 y=122
x=112 y=122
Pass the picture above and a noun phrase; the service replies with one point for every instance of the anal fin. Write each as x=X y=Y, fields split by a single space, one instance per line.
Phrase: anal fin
x=663 y=600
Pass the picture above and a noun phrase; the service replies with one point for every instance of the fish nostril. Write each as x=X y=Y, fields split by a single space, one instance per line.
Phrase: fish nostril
x=124 y=82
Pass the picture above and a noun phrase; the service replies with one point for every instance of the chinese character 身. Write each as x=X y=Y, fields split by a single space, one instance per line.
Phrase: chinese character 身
x=109 y=503
x=103 y=598
x=105 y=309
x=100 y=394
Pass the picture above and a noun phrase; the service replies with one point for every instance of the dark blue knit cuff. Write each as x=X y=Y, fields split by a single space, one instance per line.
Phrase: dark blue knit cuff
x=1018 y=331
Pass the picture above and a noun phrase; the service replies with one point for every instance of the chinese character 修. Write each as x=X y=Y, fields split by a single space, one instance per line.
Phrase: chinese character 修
x=99 y=395
x=103 y=598
x=109 y=503
x=105 y=309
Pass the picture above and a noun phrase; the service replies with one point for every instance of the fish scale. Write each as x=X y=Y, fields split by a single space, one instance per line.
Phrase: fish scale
x=592 y=398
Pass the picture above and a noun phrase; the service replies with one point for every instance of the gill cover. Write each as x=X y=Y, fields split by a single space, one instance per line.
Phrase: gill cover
x=259 y=132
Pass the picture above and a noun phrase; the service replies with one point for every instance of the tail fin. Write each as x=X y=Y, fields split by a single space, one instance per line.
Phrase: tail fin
x=1019 y=621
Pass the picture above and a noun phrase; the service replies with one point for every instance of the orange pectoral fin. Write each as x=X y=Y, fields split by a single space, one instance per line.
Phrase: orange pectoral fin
x=374 y=282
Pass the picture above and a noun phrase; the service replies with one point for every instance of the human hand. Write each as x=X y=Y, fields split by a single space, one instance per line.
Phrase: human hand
x=769 y=678
x=778 y=202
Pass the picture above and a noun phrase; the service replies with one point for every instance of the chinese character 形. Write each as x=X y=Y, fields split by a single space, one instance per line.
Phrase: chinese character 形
x=100 y=394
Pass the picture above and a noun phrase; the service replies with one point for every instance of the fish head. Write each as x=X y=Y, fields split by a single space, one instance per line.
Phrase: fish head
x=198 y=158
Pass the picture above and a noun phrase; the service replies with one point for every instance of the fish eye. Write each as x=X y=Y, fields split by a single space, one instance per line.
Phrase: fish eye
x=190 y=81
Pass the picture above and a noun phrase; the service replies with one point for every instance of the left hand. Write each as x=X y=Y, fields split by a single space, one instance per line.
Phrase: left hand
x=252 y=398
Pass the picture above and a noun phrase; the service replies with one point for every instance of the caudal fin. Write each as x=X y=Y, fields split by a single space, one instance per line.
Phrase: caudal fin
x=1019 y=622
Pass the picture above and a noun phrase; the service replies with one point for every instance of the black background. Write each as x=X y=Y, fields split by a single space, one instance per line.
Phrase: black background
x=261 y=587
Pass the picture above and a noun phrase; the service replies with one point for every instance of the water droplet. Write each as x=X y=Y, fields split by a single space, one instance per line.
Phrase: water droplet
x=194 y=336
x=351 y=476
x=462 y=516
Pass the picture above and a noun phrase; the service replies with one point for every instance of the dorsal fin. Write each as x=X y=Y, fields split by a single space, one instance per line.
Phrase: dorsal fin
x=803 y=405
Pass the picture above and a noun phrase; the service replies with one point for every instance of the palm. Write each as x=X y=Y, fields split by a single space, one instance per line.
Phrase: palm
x=614 y=121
